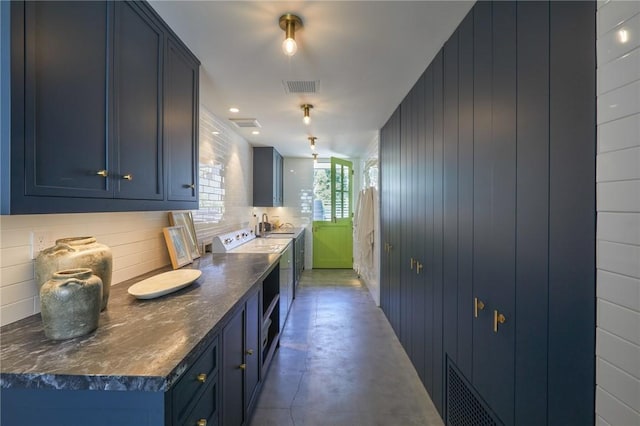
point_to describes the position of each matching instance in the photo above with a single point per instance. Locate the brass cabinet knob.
(127, 177)
(418, 267)
(202, 422)
(102, 173)
(201, 377)
(498, 318)
(478, 305)
(249, 351)
(190, 185)
(242, 366)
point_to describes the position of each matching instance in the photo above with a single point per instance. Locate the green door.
(333, 234)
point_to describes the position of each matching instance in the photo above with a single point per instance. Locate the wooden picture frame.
(185, 219)
(177, 246)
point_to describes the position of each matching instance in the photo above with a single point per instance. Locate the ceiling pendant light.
(312, 142)
(306, 118)
(315, 158)
(288, 23)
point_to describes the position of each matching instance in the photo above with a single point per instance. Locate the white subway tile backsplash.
(619, 352)
(619, 134)
(619, 384)
(618, 165)
(615, 13)
(619, 321)
(613, 411)
(619, 40)
(619, 103)
(619, 196)
(619, 72)
(620, 258)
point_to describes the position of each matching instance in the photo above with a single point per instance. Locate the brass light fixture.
(289, 22)
(306, 118)
(315, 158)
(312, 142)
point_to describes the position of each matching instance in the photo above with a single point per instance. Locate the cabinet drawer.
(206, 408)
(198, 377)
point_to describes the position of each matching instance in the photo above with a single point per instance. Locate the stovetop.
(245, 241)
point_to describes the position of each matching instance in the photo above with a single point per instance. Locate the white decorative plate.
(164, 283)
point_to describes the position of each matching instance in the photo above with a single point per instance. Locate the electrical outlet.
(40, 240)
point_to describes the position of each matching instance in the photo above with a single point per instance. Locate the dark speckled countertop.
(141, 345)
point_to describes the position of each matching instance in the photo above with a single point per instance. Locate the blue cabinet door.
(66, 95)
(137, 168)
(180, 123)
(494, 204)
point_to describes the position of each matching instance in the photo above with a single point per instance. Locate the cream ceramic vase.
(76, 252)
(70, 303)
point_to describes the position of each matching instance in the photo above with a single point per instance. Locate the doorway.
(332, 215)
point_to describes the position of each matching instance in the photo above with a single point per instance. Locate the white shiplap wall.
(135, 239)
(618, 194)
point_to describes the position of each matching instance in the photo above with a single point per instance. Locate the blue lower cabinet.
(37, 407)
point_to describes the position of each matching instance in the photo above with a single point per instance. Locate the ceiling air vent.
(301, 86)
(245, 123)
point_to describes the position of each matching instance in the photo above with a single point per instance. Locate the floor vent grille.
(464, 407)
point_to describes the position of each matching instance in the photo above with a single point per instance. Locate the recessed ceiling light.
(255, 132)
(234, 110)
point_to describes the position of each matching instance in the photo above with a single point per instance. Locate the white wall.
(618, 195)
(135, 237)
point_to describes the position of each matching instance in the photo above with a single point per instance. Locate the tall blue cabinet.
(491, 158)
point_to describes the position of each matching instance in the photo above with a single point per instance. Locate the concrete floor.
(340, 363)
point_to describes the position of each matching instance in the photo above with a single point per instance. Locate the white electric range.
(245, 241)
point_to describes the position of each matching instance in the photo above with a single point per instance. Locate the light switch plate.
(40, 240)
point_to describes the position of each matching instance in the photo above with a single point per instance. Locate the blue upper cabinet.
(94, 109)
(181, 124)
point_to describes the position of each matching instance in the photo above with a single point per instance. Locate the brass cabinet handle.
(242, 366)
(418, 267)
(102, 173)
(201, 377)
(412, 262)
(127, 177)
(498, 318)
(191, 186)
(202, 422)
(249, 351)
(478, 305)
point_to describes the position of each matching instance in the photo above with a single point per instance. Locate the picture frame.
(177, 246)
(185, 219)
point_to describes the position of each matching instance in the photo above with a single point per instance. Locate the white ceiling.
(366, 54)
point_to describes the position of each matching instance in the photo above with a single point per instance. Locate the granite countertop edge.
(182, 353)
